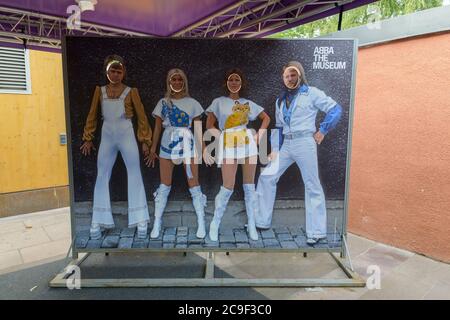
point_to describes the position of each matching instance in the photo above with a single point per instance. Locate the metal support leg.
(60, 279)
(209, 271)
(347, 254)
(209, 280)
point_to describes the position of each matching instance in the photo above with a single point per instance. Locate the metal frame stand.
(209, 280)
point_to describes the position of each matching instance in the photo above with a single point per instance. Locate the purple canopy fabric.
(160, 17)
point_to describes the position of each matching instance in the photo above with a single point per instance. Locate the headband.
(113, 62)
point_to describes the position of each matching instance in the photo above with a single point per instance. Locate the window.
(14, 71)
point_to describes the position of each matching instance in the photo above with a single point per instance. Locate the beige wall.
(400, 169)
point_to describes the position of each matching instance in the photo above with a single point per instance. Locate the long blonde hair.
(299, 66)
(185, 91)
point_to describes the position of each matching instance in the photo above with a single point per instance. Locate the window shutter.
(14, 71)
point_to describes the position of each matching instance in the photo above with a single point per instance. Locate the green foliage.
(379, 10)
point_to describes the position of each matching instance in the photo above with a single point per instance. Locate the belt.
(298, 134)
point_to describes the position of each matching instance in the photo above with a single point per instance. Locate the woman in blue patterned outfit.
(176, 113)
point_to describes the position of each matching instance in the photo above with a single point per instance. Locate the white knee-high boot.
(250, 207)
(161, 195)
(199, 202)
(220, 202)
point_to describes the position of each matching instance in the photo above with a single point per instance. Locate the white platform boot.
(250, 207)
(220, 203)
(199, 202)
(142, 230)
(161, 195)
(95, 231)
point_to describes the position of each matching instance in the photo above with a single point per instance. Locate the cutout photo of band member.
(295, 141)
(116, 104)
(237, 145)
(175, 114)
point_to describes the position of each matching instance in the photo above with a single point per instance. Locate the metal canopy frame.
(242, 19)
(251, 18)
(19, 26)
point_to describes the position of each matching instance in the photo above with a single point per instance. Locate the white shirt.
(177, 140)
(230, 114)
(175, 117)
(306, 106)
(233, 117)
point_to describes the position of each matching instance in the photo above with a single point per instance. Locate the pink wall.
(400, 169)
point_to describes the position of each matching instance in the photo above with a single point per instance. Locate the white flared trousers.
(118, 136)
(302, 151)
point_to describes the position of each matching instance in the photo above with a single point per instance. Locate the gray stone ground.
(179, 230)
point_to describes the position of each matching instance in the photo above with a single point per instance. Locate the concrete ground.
(33, 248)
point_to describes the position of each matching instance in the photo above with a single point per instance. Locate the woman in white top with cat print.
(237, 145)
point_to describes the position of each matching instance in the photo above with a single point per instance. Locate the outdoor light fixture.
(86, 5)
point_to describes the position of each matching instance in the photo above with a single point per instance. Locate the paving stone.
(226, 238)
(243, 245)
(140, 244)
(256, 244)
(196, 240)
(228, 245)
(155, 244)
(284, 237)
(192, 236)
(170, 231)
(226, 232)
(267, 234)
(125, 243)
(169, 238)
(94, 244)
(168, 245)
(181, 245)
(288, 245)
(114, 232)
(182, 231)
(281, 230)
(271, 243)
(110, 242)
(241, 236)
(83, 233)
(300, 241)
(81, 242)
(209, 243)
(334, 240)
(160, 237)
(128, 232)
(195, 246)
(295, 231)
(181, 240)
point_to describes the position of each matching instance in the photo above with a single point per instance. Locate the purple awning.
(166, 17)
